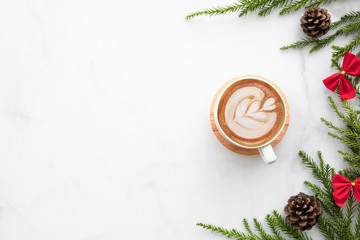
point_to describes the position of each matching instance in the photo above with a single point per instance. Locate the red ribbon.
(351, 66)
(342, 187)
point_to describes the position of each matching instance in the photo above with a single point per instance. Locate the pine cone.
(303, 211)
(315, 22)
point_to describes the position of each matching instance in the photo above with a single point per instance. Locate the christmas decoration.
(335, 223)
(351, 66)
(303, 211)
(342, 187)
(346, 26)
(315, 22)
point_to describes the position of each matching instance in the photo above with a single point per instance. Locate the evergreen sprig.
(347, 26)
(262, 7)
(274, 221)
(336, 223)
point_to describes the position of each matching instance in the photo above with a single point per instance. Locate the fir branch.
(323, 172)
(261, 231)
(351, 158)
(352, 16)
(348, 142)
(294, 6)
(351, 46)
(305, 42)
(248, 229)
(335, 63)
(287, 228)
(352, 162)
(251, 6)
(228, 233)
(262, 7)
(354, 157)
(318, 44)
(357, 226)
(349, 24)
(318, 3)
(340, 224)
(272, 225)
(337, 222)
(326, 228)
(266, 10)
(350, 210)
(216, 11)
(345, 131)
(275, 221)
(350, 173)
(339, 114)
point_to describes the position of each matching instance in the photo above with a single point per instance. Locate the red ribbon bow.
(351, 66)
(342, 187)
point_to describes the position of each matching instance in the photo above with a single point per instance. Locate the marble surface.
(104, 126)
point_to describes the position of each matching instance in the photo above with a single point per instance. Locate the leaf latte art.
(251, 112)
(248, 113)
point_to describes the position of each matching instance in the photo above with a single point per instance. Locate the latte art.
(251, 112)
(248, 115)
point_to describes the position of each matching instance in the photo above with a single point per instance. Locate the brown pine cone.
(315, 22)
(303, 211)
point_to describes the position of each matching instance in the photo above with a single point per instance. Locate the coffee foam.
(251, 112)
(245, 117)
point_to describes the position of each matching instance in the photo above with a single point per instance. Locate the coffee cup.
(250, 112)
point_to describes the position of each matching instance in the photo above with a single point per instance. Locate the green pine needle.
(336, 222)
(216, 11)
(262, 7)
(348, 25)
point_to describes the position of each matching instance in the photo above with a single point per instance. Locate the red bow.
(351, 66)
(342, 187)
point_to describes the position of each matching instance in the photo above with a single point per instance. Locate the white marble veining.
(104, 127)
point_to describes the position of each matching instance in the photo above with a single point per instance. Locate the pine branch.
(345, 131)
(305, 42)
(228, 233)
(348, 142)
(339, 114)
(266, 10)
(261, 230)
(350, 210)
(294, 6)
(276, 223)
(287, 228)
(216, 11)
(323, 172)
(337, 223)
(326, 228)
(248, 229)
(253, 5)
(354, 157)
(318, 44)
(350, 173)
(319, 2)
(357, 226)
(351, 46)
(262, 7)
(272, 225)
(352, 162)
(352, 16)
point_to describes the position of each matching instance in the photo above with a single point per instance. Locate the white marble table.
(104, 128)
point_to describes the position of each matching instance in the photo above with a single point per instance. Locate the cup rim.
(240, 78)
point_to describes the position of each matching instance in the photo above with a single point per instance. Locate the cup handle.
(267, 154)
